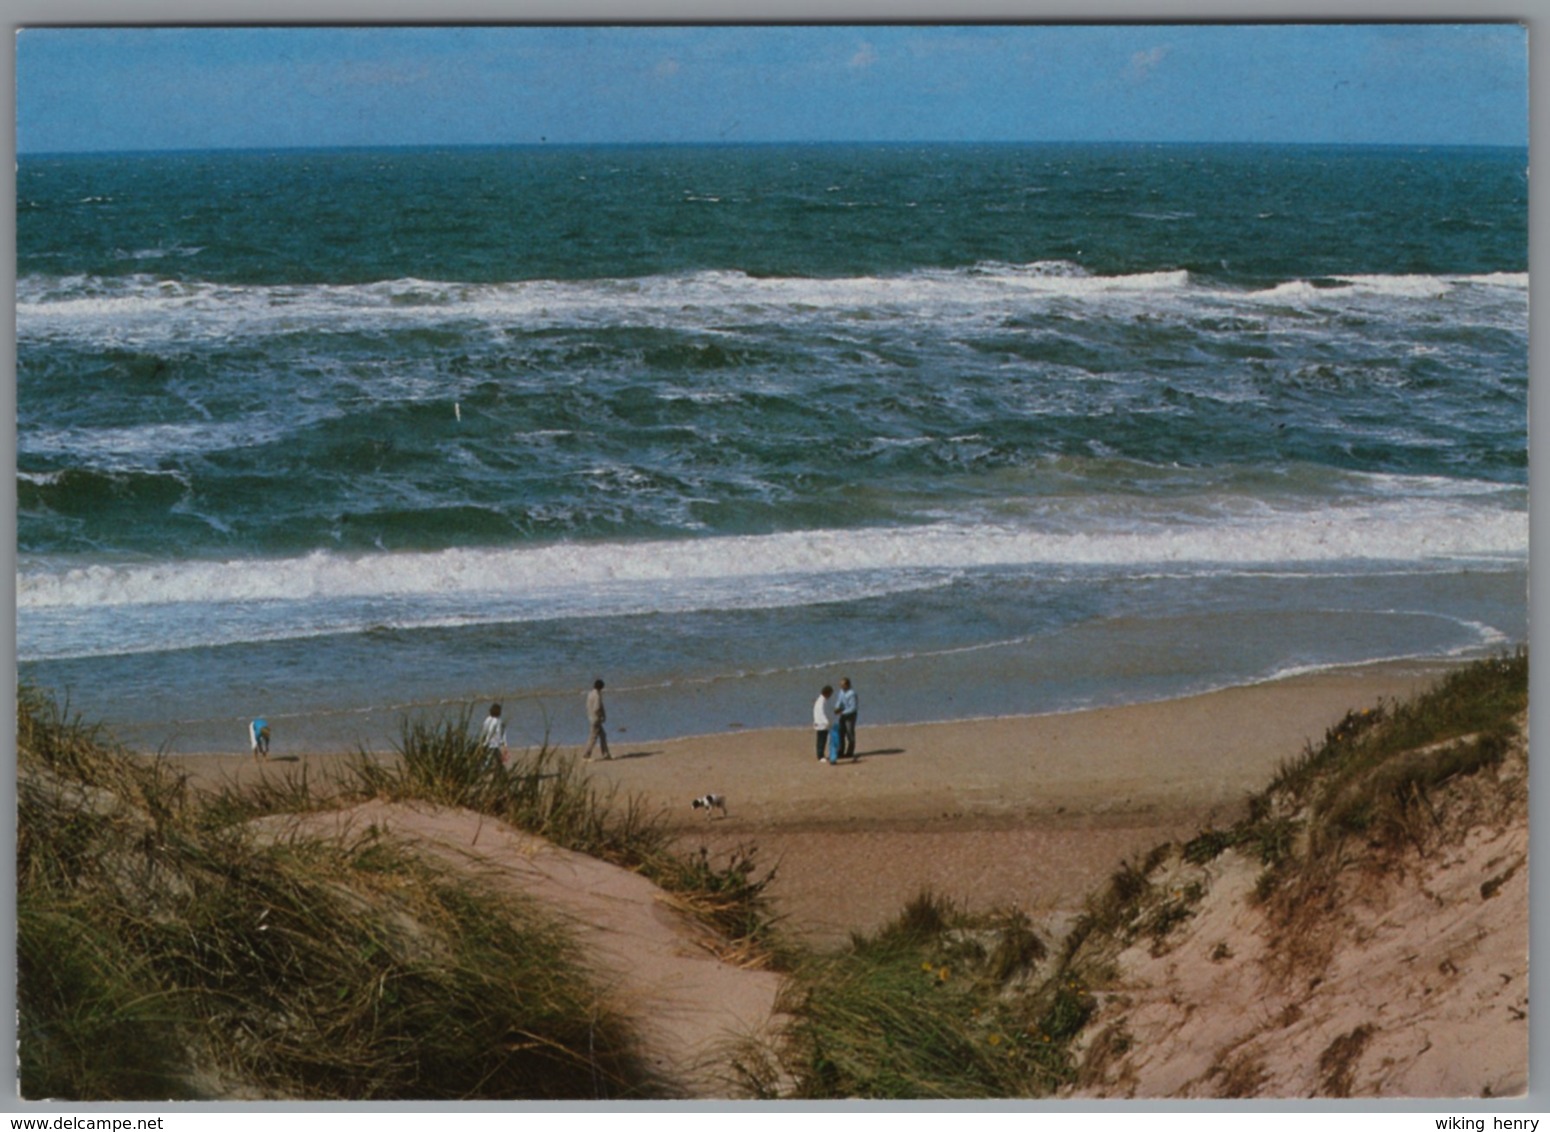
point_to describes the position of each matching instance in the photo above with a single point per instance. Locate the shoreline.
(1423, 667)
(1434, 666)
(1028, 810)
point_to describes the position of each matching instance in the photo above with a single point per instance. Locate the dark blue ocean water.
(335, 435)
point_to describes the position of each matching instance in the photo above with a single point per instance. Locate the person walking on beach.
(596, 716)
(845, 703)
(258, 738)
(492, 738)
(823, 721)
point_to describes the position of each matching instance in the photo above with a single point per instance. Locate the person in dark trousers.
(845, 704)
(258, 738)
(823, 721)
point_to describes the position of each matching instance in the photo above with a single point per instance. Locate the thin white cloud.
(864, 57)
(667, 68)
(1143, 63)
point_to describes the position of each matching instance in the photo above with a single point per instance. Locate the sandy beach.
(1032, 811)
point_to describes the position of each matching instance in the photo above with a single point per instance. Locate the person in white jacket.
(823, 721)
(597, 715)
(492, 738)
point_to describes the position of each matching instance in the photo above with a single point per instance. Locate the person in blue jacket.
(258, 737)
(845, 705)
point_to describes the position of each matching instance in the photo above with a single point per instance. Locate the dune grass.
(938, 1004)
(1477, 701)
(1367, 790)
(163, 955)
(550, 794)
(542, 791)
(1372, 779)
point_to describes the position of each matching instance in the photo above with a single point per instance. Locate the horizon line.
(719, 144)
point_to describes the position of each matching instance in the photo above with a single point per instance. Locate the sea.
(349, 438)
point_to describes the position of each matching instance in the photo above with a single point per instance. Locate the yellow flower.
(994, 1039)
(943, 974)
(927, 967)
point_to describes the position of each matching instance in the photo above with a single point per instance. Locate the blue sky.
(92, 89)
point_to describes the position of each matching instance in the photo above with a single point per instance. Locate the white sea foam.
(1299, 290)
(139, 446)
(1410, 531)
(143, 308)
(1405, 286)
(1515, 280)
(1419, 288)
(1479, 639)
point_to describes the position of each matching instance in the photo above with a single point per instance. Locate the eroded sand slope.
(1415, 984)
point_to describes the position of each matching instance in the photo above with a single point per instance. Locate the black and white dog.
(710, 803)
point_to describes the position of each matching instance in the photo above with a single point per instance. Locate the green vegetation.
(1372, 780)
(164, 953)
(1379, 786)
(1473, 708)
(549, 794)
(441, 761)
(546, 793)
(937, 1004)
(1387, 782)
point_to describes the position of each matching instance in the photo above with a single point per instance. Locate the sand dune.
(689, 1008)
(1034, 812)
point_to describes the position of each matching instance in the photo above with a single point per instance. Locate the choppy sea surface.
(337, 436)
